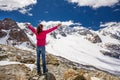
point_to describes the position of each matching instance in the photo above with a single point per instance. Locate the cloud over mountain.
(94, 3)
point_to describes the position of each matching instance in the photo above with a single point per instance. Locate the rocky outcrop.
(2, 33)
(72, 74)
(113, 47)
(52, 60)
(20, 36)
(113, 30)
(83, 32)
(15, 54)
(8, 24)
(116, 36)
(82, 74)
(14, 72)
(114, 50)
(89, 35)
(94, 38)
(111, 54)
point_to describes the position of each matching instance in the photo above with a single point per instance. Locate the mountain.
(91, 49)
(11, 34)
(88, 47)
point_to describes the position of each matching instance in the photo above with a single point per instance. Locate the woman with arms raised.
(41, 42)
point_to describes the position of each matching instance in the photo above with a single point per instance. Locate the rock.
(115, 36)
(70, 74)
(84, 32)
(100, 75)
(111, 54)
(114, 50)
(28, 60)
(2, 34)
(3, 54)
(14, 72)
(52, 60)
(63, 34)
(79, 77)
(113, 47)
(50, 76)
(18, 35)
(94, 38)
(7, 24)
(53, 34)
(15, 54)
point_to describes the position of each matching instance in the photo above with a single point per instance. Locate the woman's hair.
(39, 28)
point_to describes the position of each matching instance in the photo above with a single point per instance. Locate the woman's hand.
(59, 24)
(27, 24)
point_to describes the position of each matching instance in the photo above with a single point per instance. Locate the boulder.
(50, 59)
(50, 76)
(70, 74)
(14, 72)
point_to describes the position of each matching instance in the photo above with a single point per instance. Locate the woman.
(41, 42)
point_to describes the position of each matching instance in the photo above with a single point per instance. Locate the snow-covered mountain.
(99, 49)
(11, 34)
(88, 47)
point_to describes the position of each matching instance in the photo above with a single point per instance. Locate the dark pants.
(41, 51)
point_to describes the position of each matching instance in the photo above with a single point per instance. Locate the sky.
(89, 13)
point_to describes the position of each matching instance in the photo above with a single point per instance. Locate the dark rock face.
(115, 36)
(16, 35)
(111, 54)
(84, 32)
(94, 38)
(20, 36)
(113, 31)
(113, 47)
(7, 24)
(2, 33)
(89, 35)
(114, 50)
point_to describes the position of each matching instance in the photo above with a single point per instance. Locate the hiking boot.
(45, 72)
(39, 73)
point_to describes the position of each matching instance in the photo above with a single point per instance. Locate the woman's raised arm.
(30, 27)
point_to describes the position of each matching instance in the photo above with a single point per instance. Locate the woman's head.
(39, 28)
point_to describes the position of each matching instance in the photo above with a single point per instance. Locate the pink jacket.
(41, 38)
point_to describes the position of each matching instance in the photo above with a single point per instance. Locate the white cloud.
(94, 3)
(20, 5)
(67, 23)
(110, 24)
(24, 11)
(116, 10)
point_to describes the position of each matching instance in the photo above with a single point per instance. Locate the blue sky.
(86, 12)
